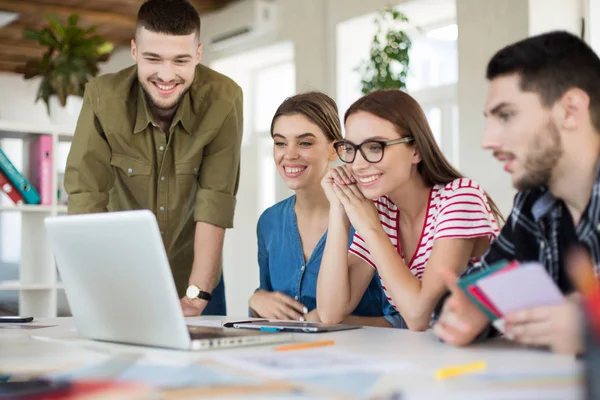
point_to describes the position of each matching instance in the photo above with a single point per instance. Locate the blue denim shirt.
(282, 266)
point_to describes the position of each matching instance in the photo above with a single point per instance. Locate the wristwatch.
(194, 292)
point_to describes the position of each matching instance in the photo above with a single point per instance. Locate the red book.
(7, 187)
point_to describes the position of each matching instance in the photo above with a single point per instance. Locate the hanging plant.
(387, 66)
(71, 58)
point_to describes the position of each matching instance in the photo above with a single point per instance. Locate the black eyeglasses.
(371, 150)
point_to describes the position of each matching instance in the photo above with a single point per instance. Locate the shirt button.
(129, 171)
(195, 169)
(598, 228)
(161, 148)
(295, 297)
(302, 268)
(162, 233)
(162, 178)
(162, 209)
(542, 245)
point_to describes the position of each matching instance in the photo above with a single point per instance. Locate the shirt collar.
(547, 201)
(144, 116)
(184, 114)
(543, 205)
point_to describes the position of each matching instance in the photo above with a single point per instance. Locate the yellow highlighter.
(458, 370)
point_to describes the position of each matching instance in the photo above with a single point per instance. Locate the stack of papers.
(509, 286)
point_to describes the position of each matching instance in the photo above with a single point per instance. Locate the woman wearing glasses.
(413, 213)
(292, 233)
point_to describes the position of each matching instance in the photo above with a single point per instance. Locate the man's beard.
(541, 160)
(162, 107)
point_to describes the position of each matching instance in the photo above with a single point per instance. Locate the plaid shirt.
(540, 228)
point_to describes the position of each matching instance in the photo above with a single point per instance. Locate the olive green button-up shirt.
(120, 159)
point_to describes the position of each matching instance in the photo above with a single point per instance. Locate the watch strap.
(204, 295)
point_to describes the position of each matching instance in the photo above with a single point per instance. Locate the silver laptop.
(120, 287)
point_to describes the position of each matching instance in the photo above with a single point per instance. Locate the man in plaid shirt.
(543, 123)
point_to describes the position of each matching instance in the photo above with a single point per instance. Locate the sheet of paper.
(24, 326)
(210, 323)
(310, 362)
(357, 384)
(127, 369)
(527, 286)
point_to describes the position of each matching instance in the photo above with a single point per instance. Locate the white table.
(60, 348)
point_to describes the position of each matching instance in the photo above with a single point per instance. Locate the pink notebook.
(40, 167)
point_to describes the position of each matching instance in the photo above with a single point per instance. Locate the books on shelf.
(40, 167)
(38, 190)
(23, 186)
(7, 187)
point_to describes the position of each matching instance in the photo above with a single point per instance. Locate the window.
(433, 68)
(267, 76)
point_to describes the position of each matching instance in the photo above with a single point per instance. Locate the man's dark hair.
(172, 17)
(550, 64)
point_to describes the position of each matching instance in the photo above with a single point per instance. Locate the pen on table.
(307, 345)
(457, 370)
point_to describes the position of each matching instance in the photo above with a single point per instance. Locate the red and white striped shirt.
(459, 209)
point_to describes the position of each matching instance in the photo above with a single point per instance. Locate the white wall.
(592, 8)
(484, 27)
(18, 100)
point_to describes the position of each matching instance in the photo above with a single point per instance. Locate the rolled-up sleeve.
(88, 173)
(220, 170)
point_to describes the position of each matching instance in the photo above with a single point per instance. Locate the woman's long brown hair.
(408, 117)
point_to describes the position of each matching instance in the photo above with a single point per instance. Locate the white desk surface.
(59, 348)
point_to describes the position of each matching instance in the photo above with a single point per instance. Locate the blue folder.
(23, 186)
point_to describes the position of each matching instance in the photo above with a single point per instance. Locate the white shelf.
(37, 287)
(16, 285)
(26, 208)
(34, 129)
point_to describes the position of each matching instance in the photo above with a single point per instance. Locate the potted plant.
(71, 59)
(387, 66)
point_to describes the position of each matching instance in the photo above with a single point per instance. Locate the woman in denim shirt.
(292, 233)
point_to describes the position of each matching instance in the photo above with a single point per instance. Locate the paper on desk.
(358, 384)
(209, 323)
(158, 375)
(309, 362)
(24, 326)
(527, 286)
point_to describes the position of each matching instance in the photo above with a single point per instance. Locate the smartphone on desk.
(14, 319)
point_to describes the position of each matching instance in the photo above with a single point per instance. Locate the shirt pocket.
(187, 179)
(134, 175)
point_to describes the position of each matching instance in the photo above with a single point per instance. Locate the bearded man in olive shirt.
(165, 135)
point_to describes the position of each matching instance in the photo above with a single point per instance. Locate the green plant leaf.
(58, 29)
(72, 20)
(388, 62)
(71, 58)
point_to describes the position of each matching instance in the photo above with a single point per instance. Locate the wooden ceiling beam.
(97, 17)
(14, 31)
(20, 47)
(10, 66)
(14, 57)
